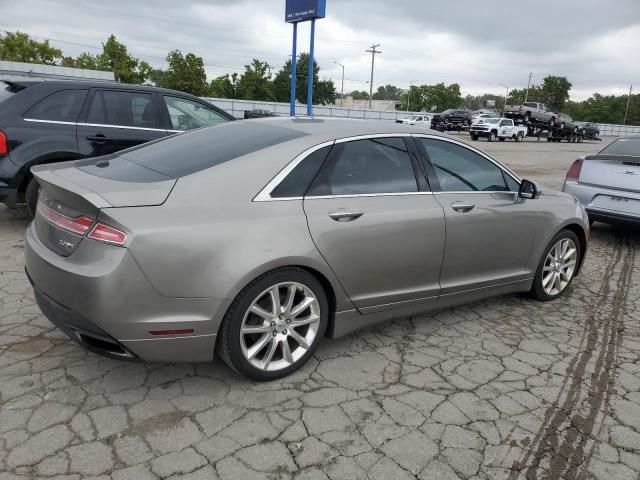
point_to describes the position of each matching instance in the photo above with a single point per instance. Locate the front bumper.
(590, 197)
(105, 303)
(479, 133)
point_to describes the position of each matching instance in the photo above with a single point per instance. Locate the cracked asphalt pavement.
(505, 388)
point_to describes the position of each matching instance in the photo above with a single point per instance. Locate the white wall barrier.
(238, 107)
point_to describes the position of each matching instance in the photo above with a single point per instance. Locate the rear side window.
(372, 166)
(297, 182)
(124, 109)
(197, 150)
(624, 147)
(62, 106)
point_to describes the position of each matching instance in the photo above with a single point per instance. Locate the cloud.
(594, 44)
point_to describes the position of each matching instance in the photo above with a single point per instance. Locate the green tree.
(359, 95)
(431, 98)
(185, 73)
(255, 83)
(20, 47)
(556, 92)
(388, 92)
(115, 58)
(324, 92)
(225, 86)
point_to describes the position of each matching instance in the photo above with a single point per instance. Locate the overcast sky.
(479, 44)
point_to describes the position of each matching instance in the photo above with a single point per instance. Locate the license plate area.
(617, 203)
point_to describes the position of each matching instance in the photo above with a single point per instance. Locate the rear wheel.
(519, 137)
(557, 267)
(31, 196)
(474, 137)
(274, 325)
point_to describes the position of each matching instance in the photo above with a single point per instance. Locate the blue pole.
(310, 81)
(294, 55)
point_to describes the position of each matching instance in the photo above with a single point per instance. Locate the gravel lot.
(506, 388)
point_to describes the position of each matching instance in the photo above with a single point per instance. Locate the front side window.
(187, 115)
(123, 109)
(62, 106)
(459, 169)
(372, 166)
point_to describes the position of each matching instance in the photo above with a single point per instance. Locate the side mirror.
(527, 190)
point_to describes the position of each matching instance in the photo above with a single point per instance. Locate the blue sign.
(303, 10)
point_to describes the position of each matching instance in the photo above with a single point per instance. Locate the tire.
(491, 137)
(474, 137)
(527, 119)
(501, 139)
(31, 196)
(549, 282)
(274, 331)
(519, 137)
(549, 139)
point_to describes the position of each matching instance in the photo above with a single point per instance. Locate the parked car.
(45, 122)
(530, 112)
(608, 183)
(421, 119)
(589, 129)
(258, 113)
(452, 115)
(475, 117)
(566, 123)
(258, 239)
(500, 128)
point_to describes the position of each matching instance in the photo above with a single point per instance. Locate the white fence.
(238, 107)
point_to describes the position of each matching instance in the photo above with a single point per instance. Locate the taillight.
(574, 171)
(105, 233)
(4, 144)
(79, 225)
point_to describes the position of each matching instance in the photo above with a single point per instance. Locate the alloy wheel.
(559, 266)
(280, 326)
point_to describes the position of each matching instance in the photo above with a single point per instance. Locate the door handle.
(99, 138)
(345, 215)
(463, 207)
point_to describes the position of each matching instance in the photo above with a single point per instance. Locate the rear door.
(113, 120)
(376, 223)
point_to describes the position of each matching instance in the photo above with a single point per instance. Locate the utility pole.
(373, 52)
(526, 95)
(624, 122)
(409, 97)
(342, 87)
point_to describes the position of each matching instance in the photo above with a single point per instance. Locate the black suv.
(453, 115)
(45, 122)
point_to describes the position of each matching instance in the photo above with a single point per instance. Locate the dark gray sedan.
(258, 239)
(608, 183)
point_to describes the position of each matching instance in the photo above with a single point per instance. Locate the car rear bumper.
(108, 305)
(606, 205)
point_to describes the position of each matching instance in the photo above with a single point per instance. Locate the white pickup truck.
(500, 128)
(421, 120)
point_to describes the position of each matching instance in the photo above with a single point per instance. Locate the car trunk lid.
(73, 193)
(611, 171)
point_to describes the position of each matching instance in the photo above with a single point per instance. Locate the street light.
(505, 97)
(342, 88)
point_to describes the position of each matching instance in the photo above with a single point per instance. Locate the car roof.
(325, 129)
(103, 84)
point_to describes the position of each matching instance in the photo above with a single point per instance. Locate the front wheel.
(274, 325)
(492, 137)
(557, 267)
(31, 196)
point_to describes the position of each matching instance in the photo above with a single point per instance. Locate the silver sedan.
(257, 239)
(608, 183)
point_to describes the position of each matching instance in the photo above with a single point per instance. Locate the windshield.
(623, 147)
(490, 120)
(450, 110)
(416, 117)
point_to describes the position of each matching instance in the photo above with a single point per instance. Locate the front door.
(380, 232)
(118, 119)
(490, 230)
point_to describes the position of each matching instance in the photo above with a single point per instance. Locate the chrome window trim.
(265, 194)
(80, 124)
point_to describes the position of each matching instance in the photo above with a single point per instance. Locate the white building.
(12, 71)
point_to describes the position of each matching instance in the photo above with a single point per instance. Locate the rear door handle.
(463, 207)
(345, 215)
(99, 138)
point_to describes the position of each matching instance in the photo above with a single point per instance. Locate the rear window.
(61, 106)
(623, 147)
(198, 150)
